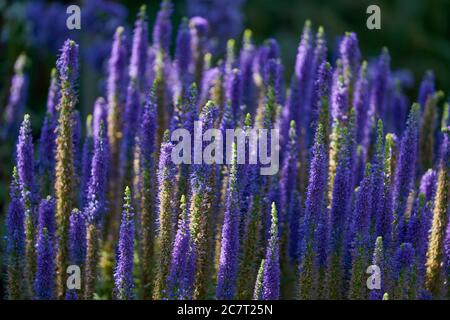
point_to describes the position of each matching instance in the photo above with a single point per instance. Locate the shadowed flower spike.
(403, 272)
(139, 48)
(350, 57)
(116, 85)
(17, 98)
(182, 267)
(77, 246)
(115, 94)
(300, 80)
(427, 88)
(86, 161)
(360, 237)
(378, 95)
(228, 265)
(77, 237)
(361, 103)
(322, 88)
(406, 164)
(67, 66)
(123, 273)
(44, 285)
(317, 179)
(377, 176)
(15, 248)
(271, 275)
(183, 54)
(162, 30)
(147, 218)
(289, 176)
(225, 19)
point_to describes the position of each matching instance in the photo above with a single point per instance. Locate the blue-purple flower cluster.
(363, 190)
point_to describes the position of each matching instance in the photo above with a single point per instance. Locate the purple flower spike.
(123, 273)
(44, 284)
(228, 264)
(405, 170)
(162, 30)
(15, 248)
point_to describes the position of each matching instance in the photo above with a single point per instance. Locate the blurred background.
(416, 32)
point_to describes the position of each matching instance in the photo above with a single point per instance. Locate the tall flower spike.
(17, 98)
(77, 244)
(338, 217)
(405, 170)
(271, 275)
(203, 197)
(44, 284)
(115, 93)
(162, 30)
(245, 65)
(313, 212)
(228, 265)
(297, 101)
(77, 237)
(360, 239)
(428, 131)
(377, 176)
(288, 183)
(350, 57)
(183, 55)
(199, 31)
(25, 166)
(166, 182)
(139, 48)
(179, 283)
(361, 103)
(15, 248)
(147, 218)
(123, 273)
(403, 272)
(86, 161)
(67, 66)
(435, 276)
(322, 88)
(378, 95)
(96, 192)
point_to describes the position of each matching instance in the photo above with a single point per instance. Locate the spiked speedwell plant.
(364, 179)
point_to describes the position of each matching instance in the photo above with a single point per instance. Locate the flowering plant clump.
(357, 209)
